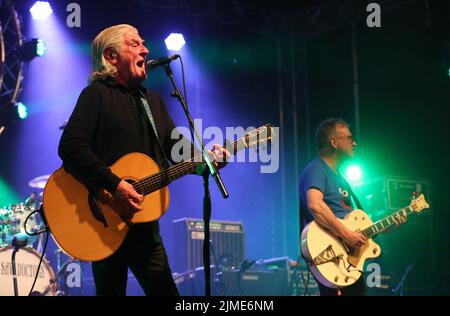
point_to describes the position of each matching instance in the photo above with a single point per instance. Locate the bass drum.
(27, 261)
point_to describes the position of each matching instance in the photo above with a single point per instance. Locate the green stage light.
(32, 48)
(41, 48)
(22, 110)
(353, 173)
(7, 194)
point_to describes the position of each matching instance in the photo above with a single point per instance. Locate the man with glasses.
(325, 195)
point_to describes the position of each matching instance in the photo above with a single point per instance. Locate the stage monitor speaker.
(227, 244)
(264, 278)
(391, 193)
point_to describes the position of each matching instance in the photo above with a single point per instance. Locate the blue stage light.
(175, 41)
(41, 10)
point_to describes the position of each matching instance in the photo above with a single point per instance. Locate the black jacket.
(108, 122)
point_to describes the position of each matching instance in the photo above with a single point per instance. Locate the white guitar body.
(331, 261)
(318, 245)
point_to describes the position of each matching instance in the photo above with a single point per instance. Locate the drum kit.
(21, 248)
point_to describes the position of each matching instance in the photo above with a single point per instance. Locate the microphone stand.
(211, 170)
(402, 281)
(17, 244)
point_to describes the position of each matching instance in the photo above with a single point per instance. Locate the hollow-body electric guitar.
(335, 264)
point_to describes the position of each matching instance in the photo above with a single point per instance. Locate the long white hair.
(109, 38)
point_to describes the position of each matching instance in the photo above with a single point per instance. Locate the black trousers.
(146, 258)
(356, 289)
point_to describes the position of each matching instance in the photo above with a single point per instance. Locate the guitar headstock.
(260, 136)
(419, 204)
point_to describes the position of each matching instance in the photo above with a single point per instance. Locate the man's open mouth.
(140, 64)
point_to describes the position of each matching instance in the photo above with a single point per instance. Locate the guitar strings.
(173, 171)
(149, 181)
(184, 166)
(168, 173)
(371, 231)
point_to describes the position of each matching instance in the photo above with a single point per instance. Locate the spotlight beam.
(41, 10)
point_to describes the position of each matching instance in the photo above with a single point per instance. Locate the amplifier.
(269, 277)
(227, 243)
(303, 283)
(255, 282)
(263, 278)
(391, 193)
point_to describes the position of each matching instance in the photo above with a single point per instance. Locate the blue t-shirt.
(336, 192)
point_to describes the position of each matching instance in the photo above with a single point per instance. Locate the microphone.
(153, 63)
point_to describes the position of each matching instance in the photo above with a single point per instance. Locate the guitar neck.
(383, 224)
(161, 179)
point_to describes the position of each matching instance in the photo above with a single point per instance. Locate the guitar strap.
(144, 102)
(149, 114)
(355, 199)
(352, 194)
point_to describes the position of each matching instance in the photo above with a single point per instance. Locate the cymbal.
(39, 182)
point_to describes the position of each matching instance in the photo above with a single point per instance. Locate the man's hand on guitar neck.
(220, 155)
(129, 198)
(399, 219)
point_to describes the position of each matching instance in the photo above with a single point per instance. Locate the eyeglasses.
(350, 138)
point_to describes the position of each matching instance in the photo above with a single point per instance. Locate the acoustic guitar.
(90, 226)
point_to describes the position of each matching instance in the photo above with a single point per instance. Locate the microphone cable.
(45, 230)
(185, 96)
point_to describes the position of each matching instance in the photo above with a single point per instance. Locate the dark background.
(232, 80)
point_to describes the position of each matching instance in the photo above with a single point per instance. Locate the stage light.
(22, 110)
(12, 113)
(353, 173)
(175, 41)
(32, 48)
(41, 48)
(41, 10)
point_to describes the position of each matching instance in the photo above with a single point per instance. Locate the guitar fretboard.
(161, 179)
(385, 223)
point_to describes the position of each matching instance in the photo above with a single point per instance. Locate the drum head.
(27, 261)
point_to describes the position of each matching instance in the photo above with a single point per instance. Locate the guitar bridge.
(328, 255)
